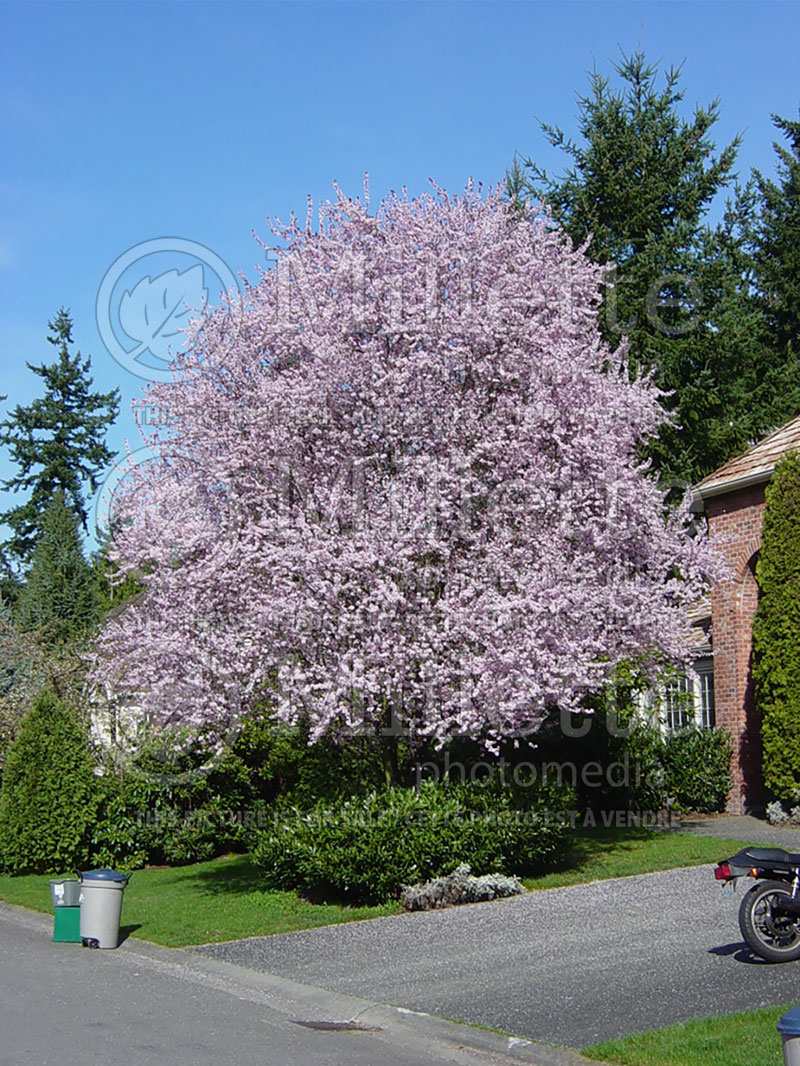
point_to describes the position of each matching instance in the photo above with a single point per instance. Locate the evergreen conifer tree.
(57, 441)
(639, 189)
(111, 591)
(9, 582)
(777, 252)
(59, 599)
(776, 649)
(48, 797)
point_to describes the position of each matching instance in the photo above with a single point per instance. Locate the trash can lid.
(103, 875)
(789, 1025)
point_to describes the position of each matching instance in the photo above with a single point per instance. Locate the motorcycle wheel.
(773, 937)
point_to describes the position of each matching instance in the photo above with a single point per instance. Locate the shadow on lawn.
(232, 877)
(241, 875)
(590, 845)
(128, 930)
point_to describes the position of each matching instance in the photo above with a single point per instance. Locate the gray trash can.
(789, 1028)
(101, 906)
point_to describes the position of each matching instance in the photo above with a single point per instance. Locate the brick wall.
(736, 518)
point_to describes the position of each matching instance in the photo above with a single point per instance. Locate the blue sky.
(122, 124)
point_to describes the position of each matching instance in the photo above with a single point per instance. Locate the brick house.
(733, 501)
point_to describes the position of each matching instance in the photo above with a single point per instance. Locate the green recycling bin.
(65, 896)
(101, 907)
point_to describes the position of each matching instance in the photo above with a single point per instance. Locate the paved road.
(62, 1004)
(566, 966)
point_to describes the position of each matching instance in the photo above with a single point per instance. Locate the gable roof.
(754, 466)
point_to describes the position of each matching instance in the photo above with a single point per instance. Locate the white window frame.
(683, 700)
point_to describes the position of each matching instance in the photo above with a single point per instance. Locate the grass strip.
(746, 1039)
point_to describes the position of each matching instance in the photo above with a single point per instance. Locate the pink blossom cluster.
(398, 479)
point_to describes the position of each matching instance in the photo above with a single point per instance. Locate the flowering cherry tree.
(396, 481)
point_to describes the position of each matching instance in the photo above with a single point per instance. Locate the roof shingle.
(755, 465)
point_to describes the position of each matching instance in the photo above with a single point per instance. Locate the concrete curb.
(300, 1002)
(463, 1044)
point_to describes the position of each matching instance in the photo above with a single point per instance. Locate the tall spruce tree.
(776, 651)
(639, 188)
(57, 441)
(58, 600)
(777, 243)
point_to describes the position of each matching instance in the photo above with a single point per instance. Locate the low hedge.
(365, 849)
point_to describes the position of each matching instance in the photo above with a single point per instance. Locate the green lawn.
(747, 1039)
(224, 899)
(602, 853)
(208, 902)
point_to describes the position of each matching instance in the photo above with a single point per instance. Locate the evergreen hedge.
(365, 849)
(697, 768)
(49, 794)
(776, 632)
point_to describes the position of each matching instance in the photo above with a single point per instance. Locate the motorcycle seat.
(761, 856)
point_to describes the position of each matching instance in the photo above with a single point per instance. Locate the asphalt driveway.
(567, 966)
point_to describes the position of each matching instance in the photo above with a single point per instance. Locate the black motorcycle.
(769, 915)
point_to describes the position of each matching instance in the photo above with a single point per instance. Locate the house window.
(677, 703)
(704, 694)
(688, 702)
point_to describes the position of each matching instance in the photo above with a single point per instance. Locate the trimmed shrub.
(776, 649)
(49, 794)
(366, 848)
(697, 768)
